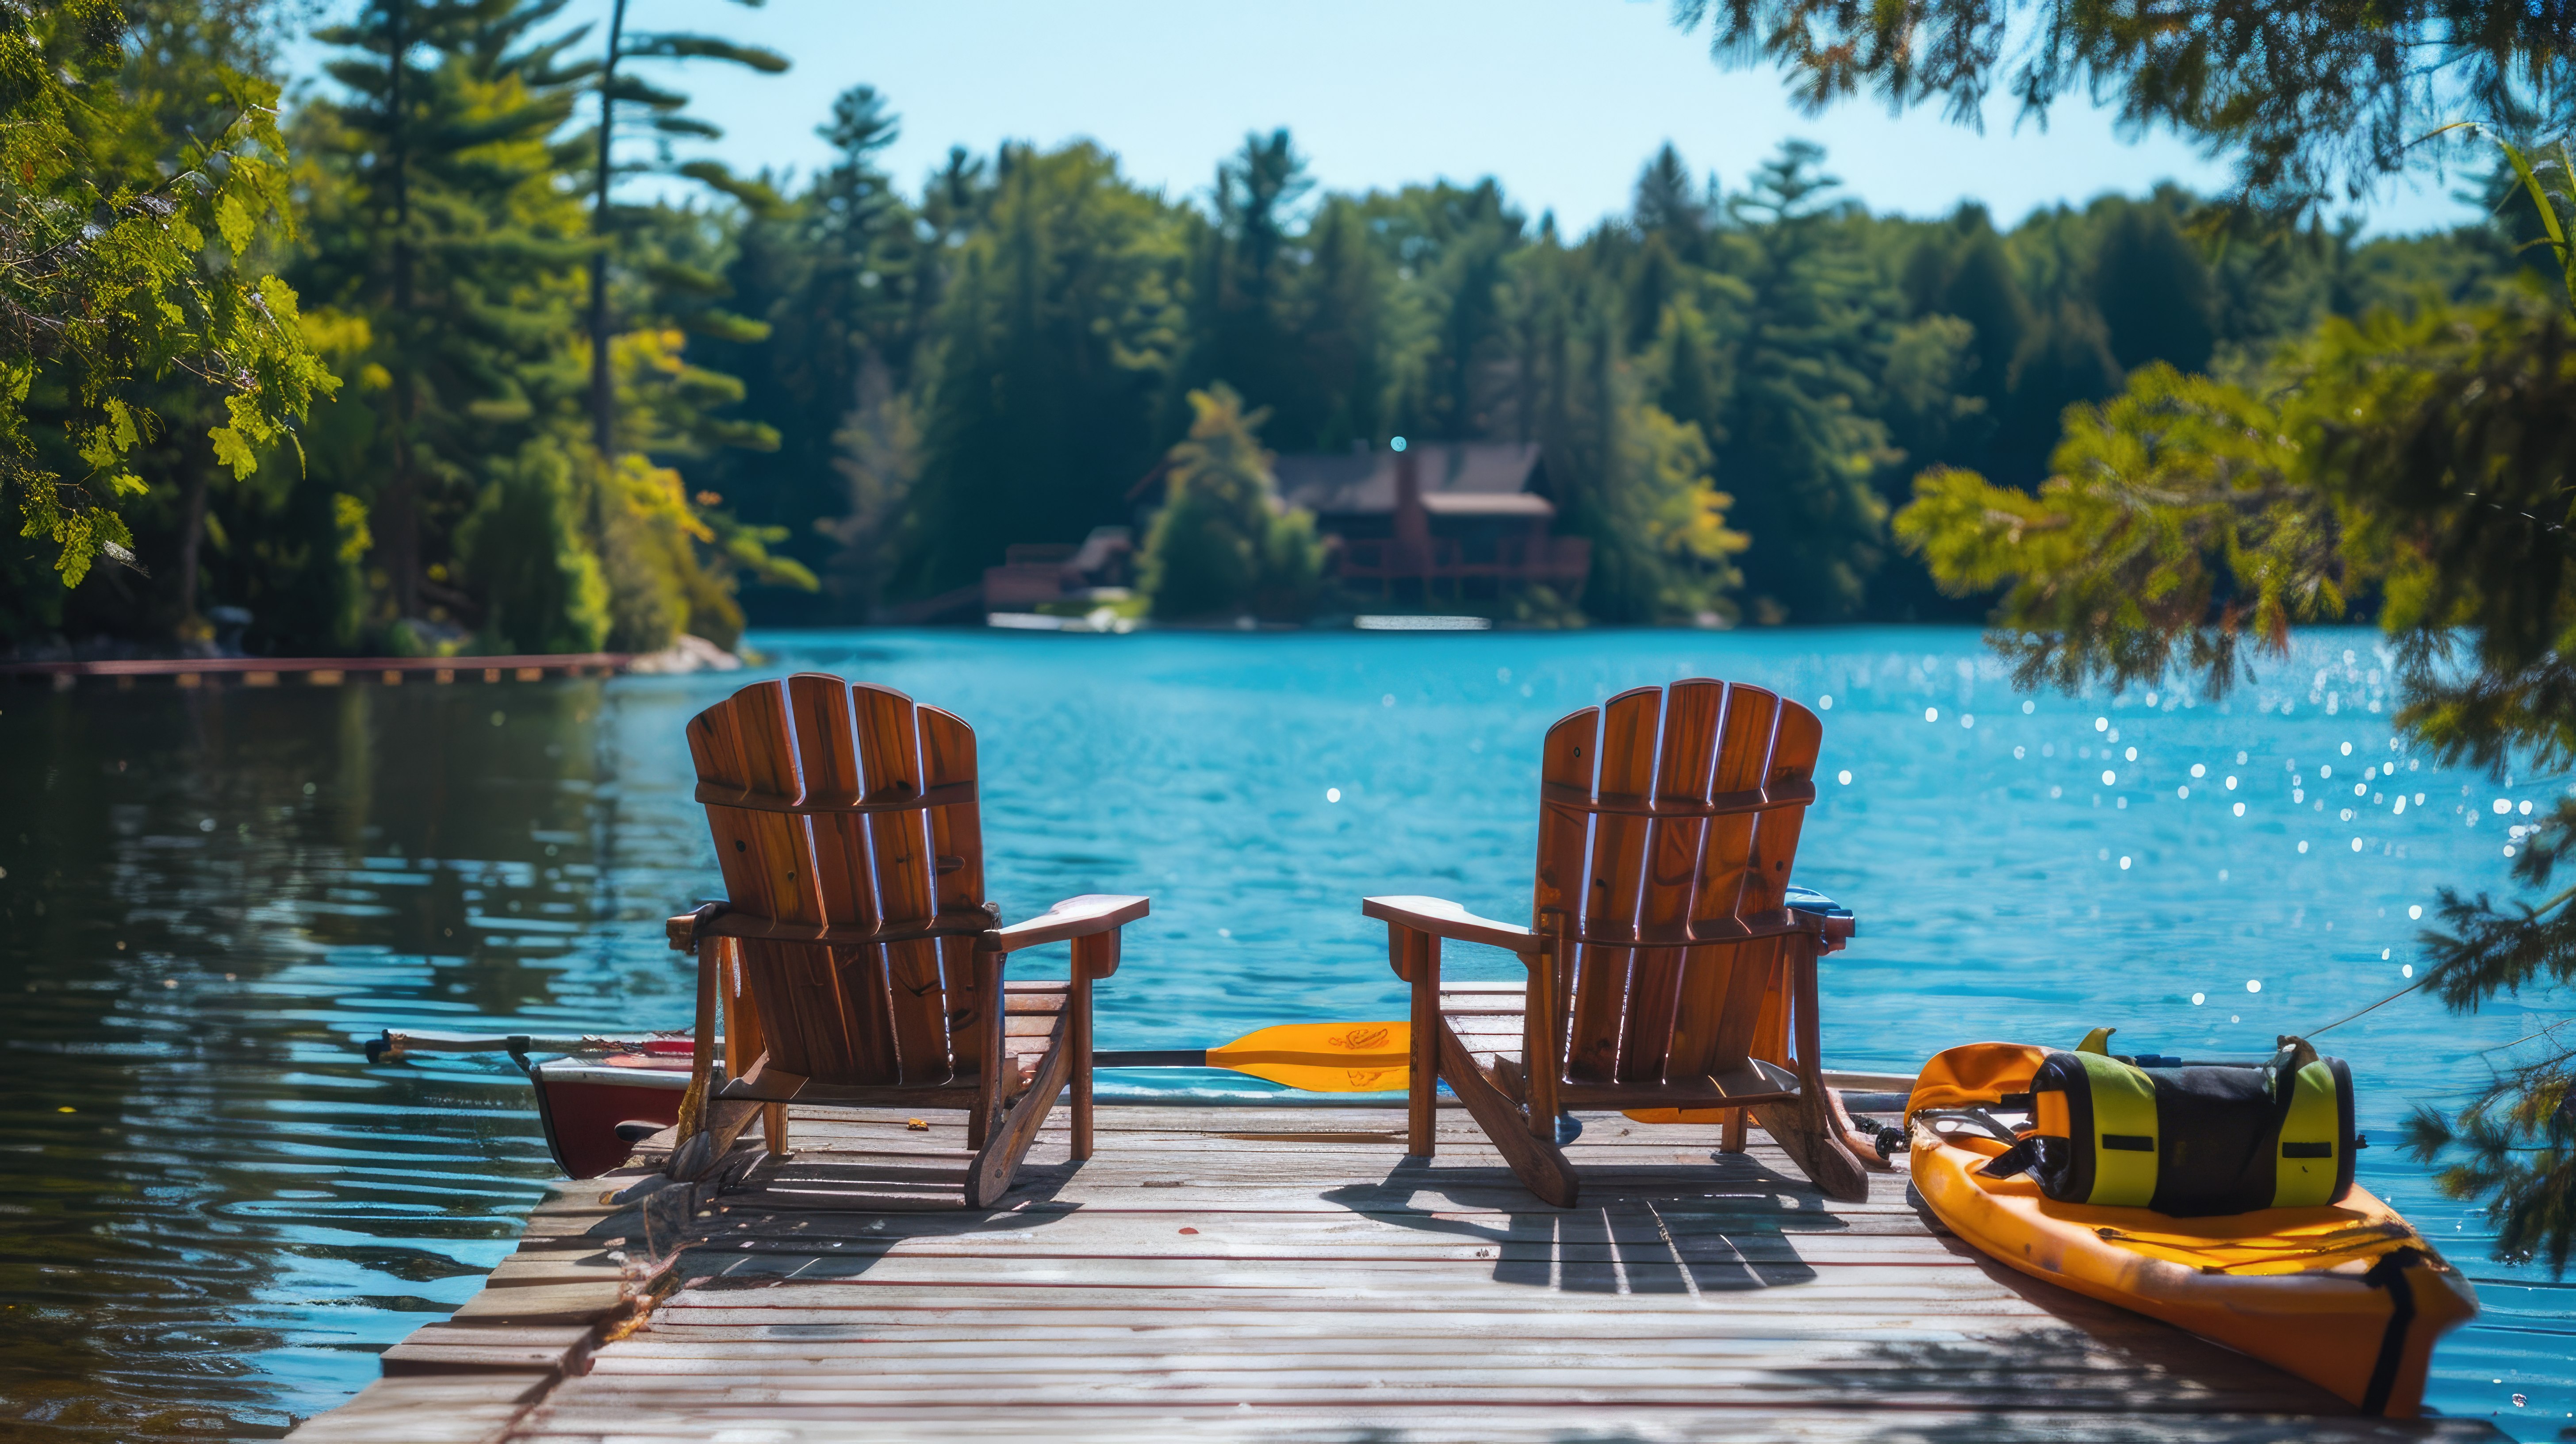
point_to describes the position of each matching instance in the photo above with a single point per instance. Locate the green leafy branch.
(106, 284)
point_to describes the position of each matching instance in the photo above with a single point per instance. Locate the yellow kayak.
(2347, 1295)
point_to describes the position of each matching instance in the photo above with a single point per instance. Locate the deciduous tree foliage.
(1224, 546)
(129, 257)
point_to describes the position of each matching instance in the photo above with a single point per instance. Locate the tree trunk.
(192, 535)
(603, 386)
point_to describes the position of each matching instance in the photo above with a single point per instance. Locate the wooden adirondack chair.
(856, 958)
(1670, 962)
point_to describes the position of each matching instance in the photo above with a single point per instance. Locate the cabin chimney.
(1412, 523)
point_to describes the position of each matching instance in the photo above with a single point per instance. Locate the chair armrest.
(1075, 917)
(1836, 920)
(683, 930)
(1444, 919)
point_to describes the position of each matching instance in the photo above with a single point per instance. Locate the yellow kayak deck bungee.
(2347, 1295)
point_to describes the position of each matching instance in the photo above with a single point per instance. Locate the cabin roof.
(1459, 478)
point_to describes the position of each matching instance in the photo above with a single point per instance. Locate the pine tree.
(664, 116)
(1242, 295)
(439, 225)
(1053, 341)
(2065, 360)
(832, 275)
(1799, 450)
(2153, 291)
(1980, 289)
(1667, 205)
(1626, 475)
(1347, 307)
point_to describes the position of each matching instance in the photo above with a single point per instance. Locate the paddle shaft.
(397, 1042)
(1151, 1058)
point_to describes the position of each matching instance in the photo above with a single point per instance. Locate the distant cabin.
(1438, 521)
(1034, 574)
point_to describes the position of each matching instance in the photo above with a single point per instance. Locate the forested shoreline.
(830, 393)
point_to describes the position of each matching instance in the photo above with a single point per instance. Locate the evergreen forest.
(505, 376)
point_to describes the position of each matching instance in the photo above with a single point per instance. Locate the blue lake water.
(219, 1214)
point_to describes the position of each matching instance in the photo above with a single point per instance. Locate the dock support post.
(1095, 956)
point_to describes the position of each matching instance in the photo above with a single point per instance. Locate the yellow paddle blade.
(1324, 1057)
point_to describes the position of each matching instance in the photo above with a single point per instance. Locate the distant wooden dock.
(1286, 1273)
(314, 671)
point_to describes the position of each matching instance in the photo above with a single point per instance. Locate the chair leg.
(1417, 958)
(1733, 1139)
(1538, 1163)
(1093, 957)
(1078, 1065)
(1803, 1132)
(773, 1127)
(689, 1152)
(998, 1160)
(699, 1153)
(1805, 1129)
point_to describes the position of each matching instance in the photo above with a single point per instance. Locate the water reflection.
(217, 1217)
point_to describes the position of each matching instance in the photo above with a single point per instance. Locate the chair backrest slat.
(717, 754)
(1682, 765)
(1722, 985)
(957, 861)
(851, 987)
(840, 1014)
(1626, 774)
(1775, 833)
(1639, 1014)
(890, 762)
(1565, 762)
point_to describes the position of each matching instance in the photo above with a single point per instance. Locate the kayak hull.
(2349, 1296)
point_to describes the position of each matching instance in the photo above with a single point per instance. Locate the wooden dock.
(1287, 1273)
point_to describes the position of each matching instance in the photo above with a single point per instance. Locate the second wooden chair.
(1670, 963)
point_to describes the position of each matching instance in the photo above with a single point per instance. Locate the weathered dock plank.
(1289, 1274)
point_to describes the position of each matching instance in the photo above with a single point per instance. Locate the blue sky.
(1562, 100)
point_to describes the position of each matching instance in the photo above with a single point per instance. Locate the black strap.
(2022, 1157)
(1979, 1121)
(2390, 1274)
